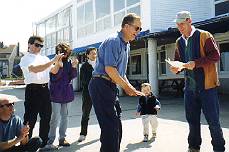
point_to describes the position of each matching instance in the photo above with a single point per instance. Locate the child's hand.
(137, 113)
(157, 107)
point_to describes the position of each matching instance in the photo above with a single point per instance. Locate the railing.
(176, 84)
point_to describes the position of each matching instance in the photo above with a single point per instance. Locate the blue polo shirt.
(114, 52)
(10, 129)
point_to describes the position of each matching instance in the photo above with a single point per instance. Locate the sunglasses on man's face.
(136, 27)
(7, 105)
(38, 45)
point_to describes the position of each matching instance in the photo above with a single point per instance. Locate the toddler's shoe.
(145, 139)
(154, 135)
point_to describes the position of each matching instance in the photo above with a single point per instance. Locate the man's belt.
(34, 85)
(102, 76)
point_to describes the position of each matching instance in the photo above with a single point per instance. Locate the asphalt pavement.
(171, 134)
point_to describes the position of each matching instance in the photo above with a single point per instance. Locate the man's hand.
(131, 91)
(24, 138)
(24, 132)
(174, 70)
(60, 63)
(57, 58)
(190, 65)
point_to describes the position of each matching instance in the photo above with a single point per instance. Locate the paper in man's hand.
(177, 64)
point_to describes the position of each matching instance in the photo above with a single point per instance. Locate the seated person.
(13, 134)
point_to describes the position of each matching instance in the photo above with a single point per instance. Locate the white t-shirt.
(31, 77)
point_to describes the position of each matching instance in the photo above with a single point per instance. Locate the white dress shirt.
(92, 63)
(31, 77)
(192, 32)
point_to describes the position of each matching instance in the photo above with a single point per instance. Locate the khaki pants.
(149, 119)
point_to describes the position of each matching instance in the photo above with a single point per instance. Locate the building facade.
(84, 23)
(8, 55)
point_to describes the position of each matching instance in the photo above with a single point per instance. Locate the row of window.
(63, 35)
(221, 7)
(94, 16)
(98, 15)
(57, 22)
(136, 61)
(56, 29)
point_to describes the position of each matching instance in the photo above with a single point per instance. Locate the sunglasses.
(7, 105)
(136, 27)
(38, 45)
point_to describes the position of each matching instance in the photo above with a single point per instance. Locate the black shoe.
(64, 142)
(193, 150)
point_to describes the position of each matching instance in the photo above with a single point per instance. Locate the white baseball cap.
(182, 16)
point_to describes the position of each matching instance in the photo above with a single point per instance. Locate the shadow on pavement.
(134, 146)
(75, 146)
(172, 108)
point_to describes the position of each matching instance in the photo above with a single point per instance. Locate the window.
(119, 5)
(53, 39)
(89, 29)
(135, 62)
(41, 29)
(221, 7)
(80, 16)
(135, 10)
(50, 40)
(121, 8)
(63, 18)
(51, 25)
(102, 8)
(79, 1)
(60, 36)
(162, 63)
(89, 12)
(131, 2)
(99, 25)
(103, 23)
(66, 35)
(107, 22)
(85, 14)
(118, 18)
(103, 17)
(224, 50)
(85, 19)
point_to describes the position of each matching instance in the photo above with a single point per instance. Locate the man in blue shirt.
(110, 71)
(11, 126)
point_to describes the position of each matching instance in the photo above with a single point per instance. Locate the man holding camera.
(36, 68)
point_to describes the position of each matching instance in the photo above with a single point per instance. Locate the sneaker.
(193, 150)
(145, 139)
(64, 142)
(81, 138)
(48, 147)
(154, 135)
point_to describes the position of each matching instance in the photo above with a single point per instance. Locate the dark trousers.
(86, 109)
(37, 101)
(103, 94)
(32, 146)
(207, 100)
